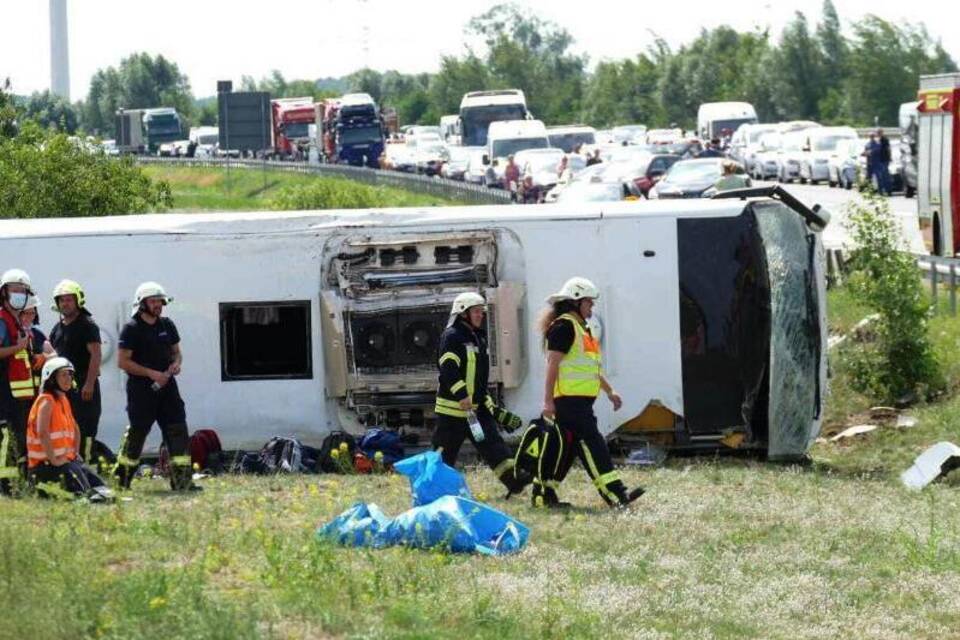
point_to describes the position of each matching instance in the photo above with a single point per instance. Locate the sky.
(212, 40)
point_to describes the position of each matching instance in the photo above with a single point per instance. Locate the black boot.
(515, 480)
(124, 474)
(626, 498)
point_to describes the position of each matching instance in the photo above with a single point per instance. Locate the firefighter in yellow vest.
(573, 382)
(16, 376)
(53, 440)
(464, 407)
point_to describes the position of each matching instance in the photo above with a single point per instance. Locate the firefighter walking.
(149, 352)
(574, 380)
(463, 397)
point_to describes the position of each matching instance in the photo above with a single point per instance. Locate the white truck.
(715, 118)
(510, 137)
(711, 312)
(938, 167)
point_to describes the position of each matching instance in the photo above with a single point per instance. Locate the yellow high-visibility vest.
(579, 373)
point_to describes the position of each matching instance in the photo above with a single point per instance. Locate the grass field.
(245, 189)
(718, 548)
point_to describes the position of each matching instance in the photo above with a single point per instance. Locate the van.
(508, 137)
(715, 118)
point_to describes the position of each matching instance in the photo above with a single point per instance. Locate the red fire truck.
(292, 118)
(938, 176)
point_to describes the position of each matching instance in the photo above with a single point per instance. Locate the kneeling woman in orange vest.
(53, 439)
(574, 380)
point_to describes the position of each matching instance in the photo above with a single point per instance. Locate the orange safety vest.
(19, 365)
(62, 431)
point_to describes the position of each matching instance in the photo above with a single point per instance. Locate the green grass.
(247, 189)
(715, 549)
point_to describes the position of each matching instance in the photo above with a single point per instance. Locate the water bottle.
(475, 427)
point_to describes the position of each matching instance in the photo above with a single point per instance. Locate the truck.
(711, 314)
(352, 130)
(142, 131)
(717, 119)
(938, 166)
(479, 108)
(291, 119)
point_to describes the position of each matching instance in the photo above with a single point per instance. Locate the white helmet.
(15, 276)
(149, 290)
(576, 288)
(51, 366)
(465, 301)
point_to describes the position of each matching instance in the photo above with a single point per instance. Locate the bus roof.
(488, 98)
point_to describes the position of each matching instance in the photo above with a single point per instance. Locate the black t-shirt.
(560, 336)
(151, 344)
(71, 340)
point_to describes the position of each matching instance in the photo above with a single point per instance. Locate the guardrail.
(436, 186)
(890, 132)
(943, 272)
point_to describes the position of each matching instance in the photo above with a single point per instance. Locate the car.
(690, 178)
(792, 154)
(569, 138)
(401, 157)
(909, 133)
(628, 133)
(684, 148)
(583, 175)
(664, 136)
(475, 170)
(843, 165)
(541, 164)
(822, 145)
(640, 172)
(594, 190)
(745, 143)
(109, 147)
(455, 167)
(766, 162)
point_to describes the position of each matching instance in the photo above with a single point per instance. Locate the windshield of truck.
(509, 146)
(718, 126)
(828, 143)
(211, 138)
(569, 141)
(163, 124)
(476, 121)
(294, 130)
(360, 135)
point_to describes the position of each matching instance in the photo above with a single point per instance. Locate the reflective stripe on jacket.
(464, 367)
(62, 431)
(580, 368)
(19, 374)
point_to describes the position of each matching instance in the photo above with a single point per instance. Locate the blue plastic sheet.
(451, 523)
(431, 478)
(443, 516)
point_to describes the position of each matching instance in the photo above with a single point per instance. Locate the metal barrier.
(436, 186)
(941, 271)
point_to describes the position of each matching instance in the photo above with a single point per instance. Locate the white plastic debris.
(931, 464)
(858, 430)
(906, 422)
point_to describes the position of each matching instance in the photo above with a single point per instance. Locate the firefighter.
(77, 337)
(462, 395)
(16, 377)
(53, 439)
(149, 352)
(573, 382)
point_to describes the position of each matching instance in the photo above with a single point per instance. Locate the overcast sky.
(224, 39)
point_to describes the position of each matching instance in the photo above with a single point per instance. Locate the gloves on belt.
(509, 421)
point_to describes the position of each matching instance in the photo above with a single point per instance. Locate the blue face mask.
(18, 300)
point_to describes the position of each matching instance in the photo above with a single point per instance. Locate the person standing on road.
(511, 175)
(712, 150)
(149, 352)
(574, 379)
(16, 376)
(882, 164)
(77, 338)
(464, 407)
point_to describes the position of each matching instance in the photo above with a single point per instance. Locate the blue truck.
(353, 130)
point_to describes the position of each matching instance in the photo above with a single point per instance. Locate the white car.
(628, 133)
(766, 162)
(822, 146)
(475, 171)
(542, 164)
(745, 143)
(400, 157)
(844, 163)
(793, 151)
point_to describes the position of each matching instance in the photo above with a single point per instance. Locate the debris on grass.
(937, 461)
(851, 432)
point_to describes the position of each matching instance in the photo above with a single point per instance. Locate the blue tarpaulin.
(450, 519)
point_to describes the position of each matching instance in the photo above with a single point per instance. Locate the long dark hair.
(554, 311)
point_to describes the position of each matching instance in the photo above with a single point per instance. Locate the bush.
(44, 175)
(329, 193)
(899, 364)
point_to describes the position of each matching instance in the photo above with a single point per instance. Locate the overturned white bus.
(712, 313)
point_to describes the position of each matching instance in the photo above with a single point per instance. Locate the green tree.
(456, 77)
(52, 111)
(43, 175)
(8, 112)
(624, 92)
(140, 82)
(797, 69)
